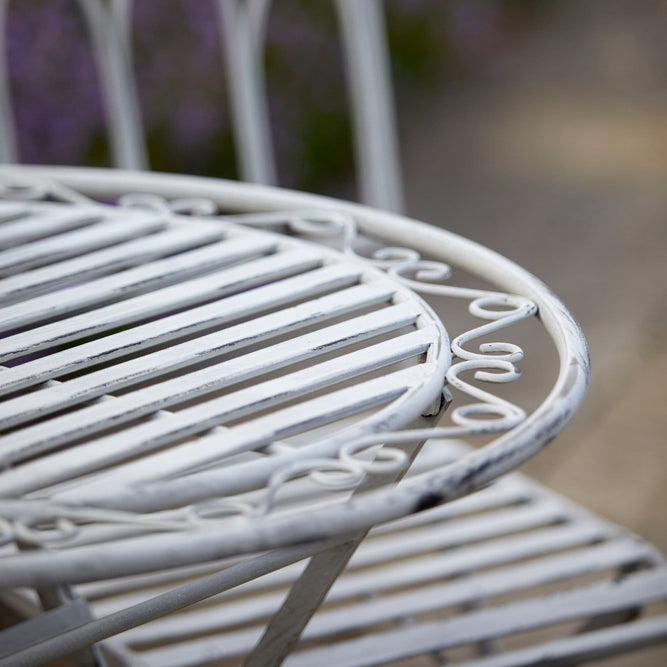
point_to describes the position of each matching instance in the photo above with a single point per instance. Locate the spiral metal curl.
(41, 524)
(192, 206)
(344, 472)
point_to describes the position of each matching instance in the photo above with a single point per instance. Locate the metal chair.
(212, 382)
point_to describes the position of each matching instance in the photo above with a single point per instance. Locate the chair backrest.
(242, 32)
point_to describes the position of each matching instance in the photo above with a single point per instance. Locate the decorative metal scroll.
(494, 362)
(38, 523)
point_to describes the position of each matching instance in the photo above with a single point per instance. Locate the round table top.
(250, 366)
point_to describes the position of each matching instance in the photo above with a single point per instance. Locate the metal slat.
(210, 649)
(359, 614)
(48, 435)
(479, 587)
(200, 418)
(636, 590)
(463, 531)
(79, 241)
(207, 316)
(138, 280)
(232, 339)
(46, 222)
(10, 210)
(405, 642)
(588, 646)
(422, 567)
(118, 257)
(388, 572)
(431, 566)
(182, 295)
(383, 574)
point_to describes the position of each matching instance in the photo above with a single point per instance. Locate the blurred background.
(536, 127)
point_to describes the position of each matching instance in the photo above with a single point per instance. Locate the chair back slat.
(369, 82)
(243, 28)
(112, 58)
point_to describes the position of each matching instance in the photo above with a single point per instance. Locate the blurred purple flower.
(57, 101)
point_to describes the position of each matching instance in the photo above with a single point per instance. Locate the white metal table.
(205, 382)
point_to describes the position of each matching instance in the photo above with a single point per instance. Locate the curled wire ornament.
(406, 265)
(144, 201)
(491, 411)
(60, 529)
(314, 223)
(341, 473)
(323, 224)
(422, 275)
(385, 460)
(43, 526)
(519, 309)
(218, 508)
(386, 258)
(191, 206)
(194, 206)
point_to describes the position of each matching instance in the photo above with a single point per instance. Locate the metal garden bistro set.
(237, 420)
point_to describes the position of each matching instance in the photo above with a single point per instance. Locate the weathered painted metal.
(180, 393)
(153, 409)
